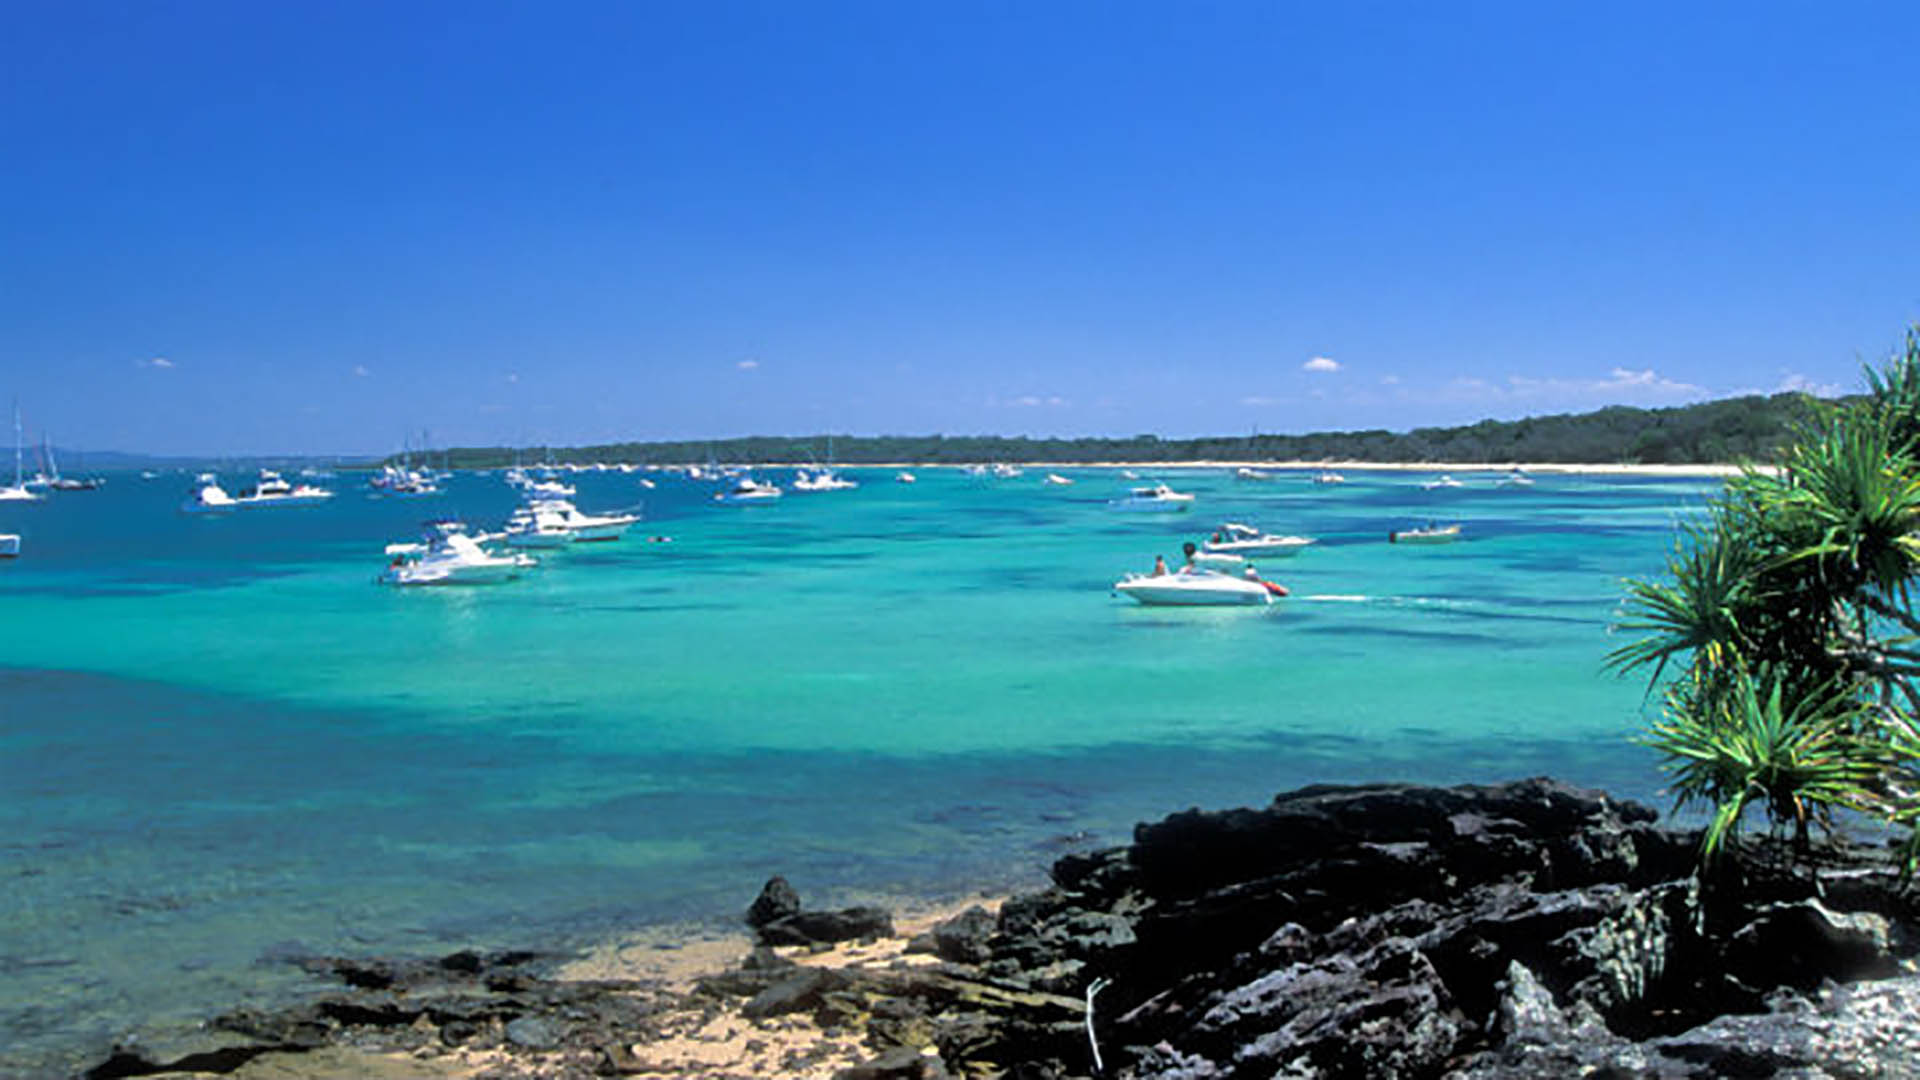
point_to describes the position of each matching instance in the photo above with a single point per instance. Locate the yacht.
(1432, 534)
(1194, 588)
(208, 497)
(272, 489)
(821, 480)
(537, 525)
(9, 545)
(587, 528)
(747, 491)
(397, 482)
(1234, 538)
(1157, 499)
(18, 492)
(449, 556)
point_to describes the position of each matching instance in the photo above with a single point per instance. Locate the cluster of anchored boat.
(449, 555)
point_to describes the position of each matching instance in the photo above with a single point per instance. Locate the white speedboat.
(1193, 588)
(1516, 478)
(1158, 499)
(818, 480)
(905, 477)
(1057, 480)
(9, 545)
(1246, 473)
(272, 489)
(1004, 471)
(748, 491)
(403, 483)
(1432, 534)
(448, 556)
(208, 497)
(1443, 481)
(1329, 478)
(588, 528)
(1234, 538)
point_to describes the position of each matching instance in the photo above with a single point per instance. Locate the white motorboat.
(1218, 560)
(1234, 538)
(1329, 478)
(817, 480)
(18, 492)
(1057, 480)
(905, 477)
(403, 483)
(1158, 499)
(1516, 478)
(588, 528)
(1247, 473)
(1194, 588)
(1432, 534)
(272, 489)
(208, 497)
(537, 526)
(448, 556)
(9, 545)
(747, 491)
(1443, 481)
(1004, 471)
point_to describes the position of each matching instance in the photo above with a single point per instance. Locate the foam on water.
(222, 740)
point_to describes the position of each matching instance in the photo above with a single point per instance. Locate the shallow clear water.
(221, 739)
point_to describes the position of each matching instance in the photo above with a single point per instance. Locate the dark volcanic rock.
(777, 900)
(828, 927)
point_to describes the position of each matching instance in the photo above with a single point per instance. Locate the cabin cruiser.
(1443, 481)
(208, 497)
(1234, 538)
(1432, 534)
(1194, 588)
(747, 491)
(1158, 499)
(536, 525)
(587, 528)
(272, 489)
(9, 545)
(403, 483)
(1246, 473)
(1057, 480)
(449, 556)
(821, 480)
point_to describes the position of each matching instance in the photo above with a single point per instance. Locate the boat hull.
(9, 546)
(1170, 590)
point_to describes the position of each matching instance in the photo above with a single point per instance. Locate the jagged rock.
(963, 938)
(796, 993)
(828, 927)
(533, 1032)
(777, 900)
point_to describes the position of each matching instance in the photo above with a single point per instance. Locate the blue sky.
(327, 228)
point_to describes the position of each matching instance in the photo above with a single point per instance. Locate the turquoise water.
(223, 741)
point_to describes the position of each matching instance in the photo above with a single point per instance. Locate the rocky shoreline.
(1518, 930)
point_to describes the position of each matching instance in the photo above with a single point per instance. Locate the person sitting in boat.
(1159, 566)
(1273, 587)
(1189, 550)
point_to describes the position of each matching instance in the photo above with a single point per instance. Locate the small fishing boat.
(208, 497)
(1158, 499)
(1432, 534)
(1195, 588)
(1235, 538)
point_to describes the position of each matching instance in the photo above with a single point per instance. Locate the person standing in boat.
(1159, 566)
(1189, 550)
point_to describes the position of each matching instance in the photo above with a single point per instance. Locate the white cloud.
(156, 362)
(1321, 363)
(1035, 401)
(1389, 380)
(1622, 386)
(513, 376)
(361, 370)
(1259, 401)
(1794, 381)
(747, 365)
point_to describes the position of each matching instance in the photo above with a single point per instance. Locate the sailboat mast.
(18, 476)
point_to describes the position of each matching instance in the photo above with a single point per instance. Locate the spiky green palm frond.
(1700, 611)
